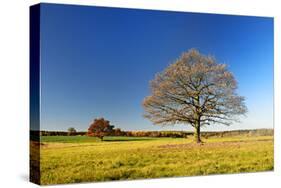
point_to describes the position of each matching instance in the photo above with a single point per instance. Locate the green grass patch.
(87, 139)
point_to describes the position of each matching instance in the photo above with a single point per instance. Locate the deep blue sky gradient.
(97, 62)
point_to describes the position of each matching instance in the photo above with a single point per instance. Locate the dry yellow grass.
(162, 157)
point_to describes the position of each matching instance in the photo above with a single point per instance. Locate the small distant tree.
(71, 131)
(195, 90)
(117, 132)
(100, 128)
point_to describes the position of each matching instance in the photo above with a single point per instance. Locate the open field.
(89, 139)
(83, 159)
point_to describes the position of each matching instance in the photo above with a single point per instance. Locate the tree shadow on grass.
(124, 140)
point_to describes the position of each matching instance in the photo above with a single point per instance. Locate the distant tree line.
(62, 133)
(100, 127)
(173, 134)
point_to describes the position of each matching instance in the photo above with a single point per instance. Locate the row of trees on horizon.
(172, 134)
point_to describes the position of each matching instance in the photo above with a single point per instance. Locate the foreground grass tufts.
(87, 159)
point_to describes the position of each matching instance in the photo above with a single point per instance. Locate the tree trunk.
(197, 120)
(197, 136)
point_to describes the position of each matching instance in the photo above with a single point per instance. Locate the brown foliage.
(100, 128)
(194, 90)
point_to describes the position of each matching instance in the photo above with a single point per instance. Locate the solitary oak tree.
(100, 128)
(194, 90)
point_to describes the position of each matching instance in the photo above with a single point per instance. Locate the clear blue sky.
(97, 62)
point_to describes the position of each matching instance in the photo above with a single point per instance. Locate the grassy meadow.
(73, 159)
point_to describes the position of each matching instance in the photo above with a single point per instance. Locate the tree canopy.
(194, 90)
(71, 131)
(100, 128)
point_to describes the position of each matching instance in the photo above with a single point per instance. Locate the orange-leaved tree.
(100, 128)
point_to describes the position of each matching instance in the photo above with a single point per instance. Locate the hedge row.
(174, 134)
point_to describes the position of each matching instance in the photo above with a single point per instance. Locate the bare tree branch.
(194, 90)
